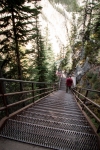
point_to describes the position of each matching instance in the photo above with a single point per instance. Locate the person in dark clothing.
(69, 83)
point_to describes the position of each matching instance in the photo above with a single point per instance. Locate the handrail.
(23, 81)
(88, 99)
(89, 89)
(83, 99)
(15, 95)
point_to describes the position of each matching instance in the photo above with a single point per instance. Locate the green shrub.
(96, 85)
(94, 78)
(89, 75)
(92, 95)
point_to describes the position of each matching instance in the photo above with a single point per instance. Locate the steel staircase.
(55, 122)
(62, 84)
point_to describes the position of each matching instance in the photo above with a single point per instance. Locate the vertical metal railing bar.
(33, 91)
(85, 99)
(3, 91)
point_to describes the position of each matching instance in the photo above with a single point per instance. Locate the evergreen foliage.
(19, 25)
(15, 20)
(49, 54)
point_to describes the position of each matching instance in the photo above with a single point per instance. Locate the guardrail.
(17, 95)
(87, 104)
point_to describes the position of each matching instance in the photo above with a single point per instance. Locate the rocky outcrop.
(81, 70)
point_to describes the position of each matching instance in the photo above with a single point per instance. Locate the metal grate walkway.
(55, 122)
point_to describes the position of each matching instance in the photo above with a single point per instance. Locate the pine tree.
(16, 19)
(49, 53)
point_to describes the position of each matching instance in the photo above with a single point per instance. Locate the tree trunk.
(16, 47)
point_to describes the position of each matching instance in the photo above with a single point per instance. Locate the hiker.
(69, 83)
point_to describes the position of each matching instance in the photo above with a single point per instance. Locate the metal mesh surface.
(55, 122)
(56, 118)
(49, 137)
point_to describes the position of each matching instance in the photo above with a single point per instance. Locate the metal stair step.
(62, 113)
(62, 103)
(55, 109)
(54, 124)
(56, 114)
(62, 107)
(55, 118)
(58, 101)
(49, 137)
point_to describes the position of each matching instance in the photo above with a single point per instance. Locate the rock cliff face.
(81, 70)
(58, 24)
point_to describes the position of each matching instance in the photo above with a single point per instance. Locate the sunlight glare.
(29, 46)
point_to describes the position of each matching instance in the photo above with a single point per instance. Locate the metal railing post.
(33, 91)
(98, 130)
(79, 92)
(44, 89)
(21, 89)
(85, 99)
(3, 91)
(53, 87)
